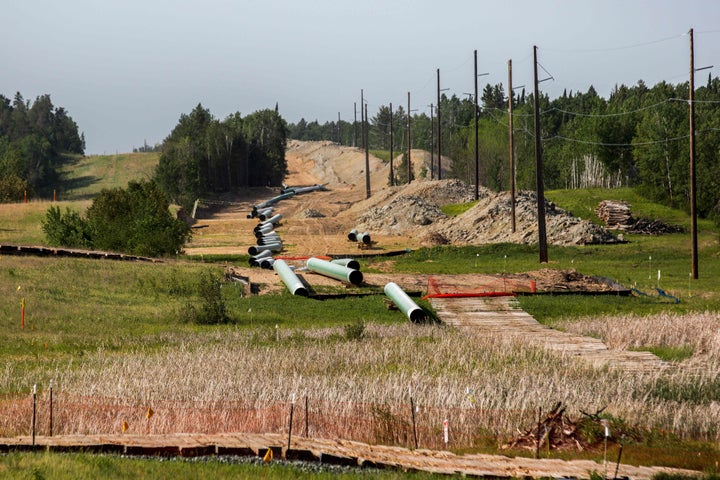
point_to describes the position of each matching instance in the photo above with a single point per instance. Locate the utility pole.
(409, 145)
(355, 124)
(392, 175)
(439, 130)
(367, 158)
(432, 143)
(693, 184)
(512, 145)
(542, 236)
(362, 118)
(477, 155)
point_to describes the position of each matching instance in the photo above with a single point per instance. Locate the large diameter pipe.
(334, 270)
(404, 302)
(312, 188)
(255, 261)
(274, 220)
(291, 281)
(364, 238)
(267, 263)
(273, 247)
(347, 262)
(352, 235)
(273, 200)
(264, 230)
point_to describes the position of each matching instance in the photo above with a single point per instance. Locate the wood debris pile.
(614, 213)
(617, 215)
(555, 431)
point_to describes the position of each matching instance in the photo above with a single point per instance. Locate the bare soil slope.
(399, 217)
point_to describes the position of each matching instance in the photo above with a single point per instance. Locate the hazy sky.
(126, 70)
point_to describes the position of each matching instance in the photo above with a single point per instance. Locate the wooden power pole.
(392, 174)
(693, 183)
(477, 154)
(512, 146)
(409, 145)
(542, 235)
(367, 158)
(439, 131)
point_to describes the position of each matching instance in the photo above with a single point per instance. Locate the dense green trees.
(638, 137)
(135, 220)
(204, 156)
(33, 137)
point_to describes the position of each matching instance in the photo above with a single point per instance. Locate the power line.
(613, 49)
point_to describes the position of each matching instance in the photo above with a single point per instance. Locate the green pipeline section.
(404, 302)
(333, 270)
(291, 281)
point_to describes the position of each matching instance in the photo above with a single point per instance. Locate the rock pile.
(401, 216)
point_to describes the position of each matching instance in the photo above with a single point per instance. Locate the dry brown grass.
(241, 380)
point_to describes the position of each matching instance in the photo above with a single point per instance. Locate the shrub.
(212, 310)
(67, 230)
(355, 331)
(136, 221)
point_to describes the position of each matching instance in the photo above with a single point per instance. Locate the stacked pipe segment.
(291, 281)
(347, 262)
(404, 302)
(334, 270)
(273, 247)
(255, 261)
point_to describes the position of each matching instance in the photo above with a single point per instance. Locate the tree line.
(34, 136)
(205, 156)
(638, 137)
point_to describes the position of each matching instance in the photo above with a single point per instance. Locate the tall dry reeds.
(241, 380)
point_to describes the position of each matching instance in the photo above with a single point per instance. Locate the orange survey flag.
(268, 456)
(150, 413)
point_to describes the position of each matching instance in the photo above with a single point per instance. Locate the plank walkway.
(330, 452)
(503, 318)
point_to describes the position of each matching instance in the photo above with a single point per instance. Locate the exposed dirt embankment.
(405, 216)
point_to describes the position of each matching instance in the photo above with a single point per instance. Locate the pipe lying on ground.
(274, 220)
(404, 302)
(291, 281)
(267, 263)
(273, 247)
(299, 190)
(265, 213)
(273, 200)
(364, 238)
(266, 229)
(268, 240)
(255, 261)
(334, 270)
(352, 235)
(347, 262)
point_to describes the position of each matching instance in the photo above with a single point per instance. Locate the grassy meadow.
(111, 336)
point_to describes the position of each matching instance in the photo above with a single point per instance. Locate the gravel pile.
(490, 221)
(402, 215)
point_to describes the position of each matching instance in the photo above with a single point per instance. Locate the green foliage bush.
(136, 220)
(212, 309)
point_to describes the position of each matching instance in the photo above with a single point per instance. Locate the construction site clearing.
(398, 219)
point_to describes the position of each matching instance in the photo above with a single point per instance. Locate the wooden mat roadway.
(502, 317)
(330, 452)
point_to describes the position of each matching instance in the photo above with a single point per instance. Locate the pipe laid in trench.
(273, 247)
(334, 270)
(404, 302)
(347, 262)
(291, 281)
